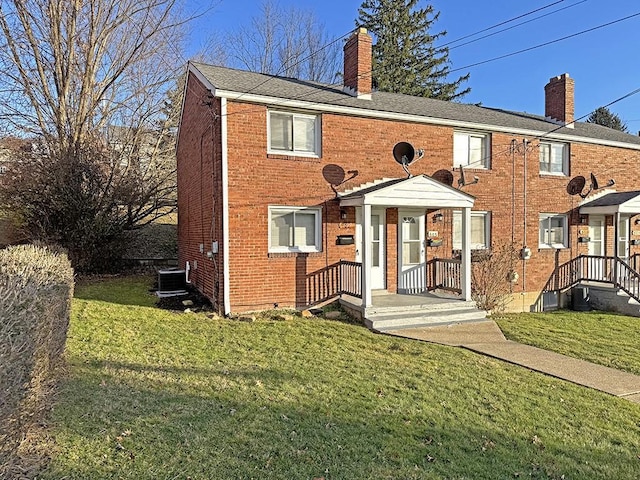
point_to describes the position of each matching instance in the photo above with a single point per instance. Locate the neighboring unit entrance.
(623, 238)
(412, 272)
(377, 236)
(596, 235)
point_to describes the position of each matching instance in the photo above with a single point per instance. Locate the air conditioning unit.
(171, 282)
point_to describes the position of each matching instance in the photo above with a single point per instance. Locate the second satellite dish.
(404, 153)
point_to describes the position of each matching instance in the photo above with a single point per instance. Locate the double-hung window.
(480, 230)
(554, 158)
(553, 230)
(471, 149)
(294, 133)
(295, 229)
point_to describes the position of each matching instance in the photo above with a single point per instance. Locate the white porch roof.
(612, 203)
(418, 191)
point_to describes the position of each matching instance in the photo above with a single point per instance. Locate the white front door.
(412, 273)
(623, 238)
(596, 235)
(597, 266)
(376, 237)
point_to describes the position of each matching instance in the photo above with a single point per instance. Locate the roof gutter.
(369, 113)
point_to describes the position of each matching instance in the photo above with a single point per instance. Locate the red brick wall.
(200, 191)
(257, 180)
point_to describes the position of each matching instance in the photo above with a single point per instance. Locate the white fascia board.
(184, 96)
(204, 80)
(363, 112)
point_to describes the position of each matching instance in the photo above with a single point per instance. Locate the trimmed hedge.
(36, 287)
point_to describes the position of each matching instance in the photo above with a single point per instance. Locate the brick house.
(289, 192)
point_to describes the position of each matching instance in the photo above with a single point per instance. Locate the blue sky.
(604, 63)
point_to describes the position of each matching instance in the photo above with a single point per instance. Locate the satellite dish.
(594, 182)
(443, 176)
(576, 185)
(404, 153)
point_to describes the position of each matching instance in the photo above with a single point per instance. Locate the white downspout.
(465, 268)
(225, 207)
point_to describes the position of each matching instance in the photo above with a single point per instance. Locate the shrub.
(491, 275)
(36, 286)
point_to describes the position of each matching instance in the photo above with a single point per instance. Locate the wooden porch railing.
(335, 279)
(444, 273)
(634, 261)
(592, 268)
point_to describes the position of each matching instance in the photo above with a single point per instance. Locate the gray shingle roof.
(240, 81)
(612, 199)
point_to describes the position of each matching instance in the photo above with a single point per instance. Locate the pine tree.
(405, 59)
(604, 116)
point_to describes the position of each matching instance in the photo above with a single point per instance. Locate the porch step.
(428, 316)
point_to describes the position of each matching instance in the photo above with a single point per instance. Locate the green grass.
(153, 394)
(605, 338)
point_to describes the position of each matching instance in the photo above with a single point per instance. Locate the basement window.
(294, 133)
(295, 229)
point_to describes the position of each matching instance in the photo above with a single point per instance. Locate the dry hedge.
(36, 287)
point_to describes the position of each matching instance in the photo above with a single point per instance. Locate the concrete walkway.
(486, 338)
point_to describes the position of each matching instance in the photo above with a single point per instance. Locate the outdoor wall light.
(438, 217)
(343, 214)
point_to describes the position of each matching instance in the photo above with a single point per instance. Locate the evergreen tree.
(605, 117)
(405, 59)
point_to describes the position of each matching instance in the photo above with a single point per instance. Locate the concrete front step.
(413, 319)
(609, 298)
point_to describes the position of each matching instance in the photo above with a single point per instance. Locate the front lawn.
(153, 394)
(609, 339)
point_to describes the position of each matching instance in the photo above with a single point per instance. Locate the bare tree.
(88, 82)
(289, 42)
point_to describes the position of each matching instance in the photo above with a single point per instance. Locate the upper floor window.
(480, 230)
(553, 230)
(295, 229)
(471, 149)
(554, 158)
(294, 133)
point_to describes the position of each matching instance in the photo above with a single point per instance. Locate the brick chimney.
(558, 99)
(357, 64)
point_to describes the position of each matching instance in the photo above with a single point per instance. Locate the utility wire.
(546, 43)
(500, 24)
(515, 26)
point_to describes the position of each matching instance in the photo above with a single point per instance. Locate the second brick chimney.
(357, 64)
(558, 102)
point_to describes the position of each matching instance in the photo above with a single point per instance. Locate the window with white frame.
(480, 230)
(295, 229)
(294, 133)
(471, 149)
(554, 158)
(553, 230)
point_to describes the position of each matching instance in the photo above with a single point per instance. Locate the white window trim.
(317, 211)
(487, 230)
(317, 152)
(486, 143)
(565, 239)
(565, 160)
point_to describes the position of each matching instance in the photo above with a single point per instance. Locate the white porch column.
(366, 256)
(465, 267)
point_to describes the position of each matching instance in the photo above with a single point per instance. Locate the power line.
(500, 57)
(516, 25)
(501, 23)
